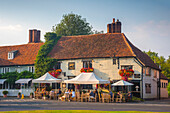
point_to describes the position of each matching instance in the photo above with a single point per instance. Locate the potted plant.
(31, 95)
(5, 93)
(19, 95)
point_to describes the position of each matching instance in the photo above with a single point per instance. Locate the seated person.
(111, 93)
(92, 95)
(73, 95)
(59, 93)
(51, 94)
(129, 95)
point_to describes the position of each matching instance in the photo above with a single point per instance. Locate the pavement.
(14, 104)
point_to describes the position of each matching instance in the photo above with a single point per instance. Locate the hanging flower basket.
(126, 73)
(86, 70)
(55, 73)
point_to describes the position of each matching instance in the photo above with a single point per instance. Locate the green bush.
(168, 88)
(5, 92)
(136, 99)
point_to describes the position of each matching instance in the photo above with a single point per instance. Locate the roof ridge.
(19, 45)
(90, 35)
(126, 41)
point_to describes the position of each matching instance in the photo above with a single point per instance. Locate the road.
(30, 104)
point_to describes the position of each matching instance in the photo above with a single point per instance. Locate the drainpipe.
(159, 84)
(142, 82)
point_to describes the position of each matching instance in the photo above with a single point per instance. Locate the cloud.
(152, 35)
(11, 34)
(11, 27)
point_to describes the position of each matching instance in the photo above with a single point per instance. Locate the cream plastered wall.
(19, 69)
(163, 90)
(103, 67)
(153, 81)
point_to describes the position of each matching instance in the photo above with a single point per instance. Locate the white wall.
(16, 68)
(153, 81)
(103, 67)
(14, 92)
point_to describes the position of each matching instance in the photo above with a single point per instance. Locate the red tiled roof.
(90, 46)
(98, 46)
(162, 76)
(25, 55)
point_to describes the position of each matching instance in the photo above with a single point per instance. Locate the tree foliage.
(43, 63)
(73, 24)
(160, 61)
(26, 74)
(13, 76)
(168, 88)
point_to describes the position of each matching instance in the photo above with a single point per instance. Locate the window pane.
(114, 61)
(71, 65)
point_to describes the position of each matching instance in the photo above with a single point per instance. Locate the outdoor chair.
(84, 97)
(105, 97)
(113, 98)
(124, 98)
(66, 97)
(78, 97)
(119, 98)
(35, 95)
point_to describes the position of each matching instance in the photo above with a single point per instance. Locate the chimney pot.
(34, 36)
(114, 27)
(113, 20)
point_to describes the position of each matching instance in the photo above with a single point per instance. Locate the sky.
(146, 23)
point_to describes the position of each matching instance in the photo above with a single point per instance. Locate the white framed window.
(10, 55)
(5, 70)
(126, 67)
(31, 69)
(147, 88)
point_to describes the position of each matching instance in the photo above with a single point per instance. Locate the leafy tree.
(168, 88)
(25, 74)
(160, 61)
(11, 77)
(43, 63)
(72, 24)
(97, 32)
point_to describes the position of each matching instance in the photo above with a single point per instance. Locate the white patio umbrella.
(122, 83)
(46, 78)
(87, 78)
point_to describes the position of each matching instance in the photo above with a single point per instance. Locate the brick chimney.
(114, 27)
(34, 36)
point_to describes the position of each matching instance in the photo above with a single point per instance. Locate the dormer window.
(11, 54)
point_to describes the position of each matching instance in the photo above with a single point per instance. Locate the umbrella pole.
(98, 93)
(109, 87)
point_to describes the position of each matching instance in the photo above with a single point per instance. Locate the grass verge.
(76, 111)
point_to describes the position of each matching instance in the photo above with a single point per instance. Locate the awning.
(87, 78)
(25, 81)
(46, 78)
(2, 81)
